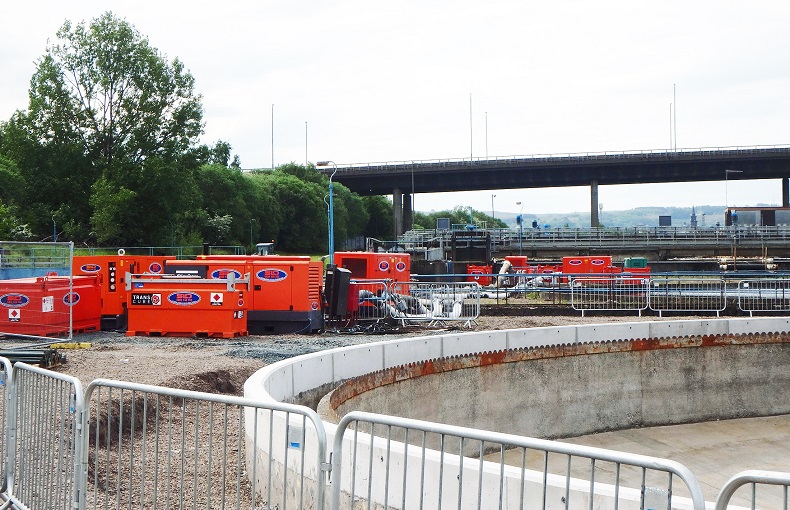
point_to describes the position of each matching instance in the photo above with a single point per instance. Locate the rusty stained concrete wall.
(570, 390)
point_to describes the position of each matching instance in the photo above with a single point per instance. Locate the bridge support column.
(785, 192)
(397, 213)
(594, 221)
(408, 213)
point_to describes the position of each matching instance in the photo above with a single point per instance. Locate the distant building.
(693, 222)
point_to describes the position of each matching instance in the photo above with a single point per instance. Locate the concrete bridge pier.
(785, 191)
(402, 214)
(594, 221)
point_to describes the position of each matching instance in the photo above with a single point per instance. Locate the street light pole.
(492, 206)
(331, 228)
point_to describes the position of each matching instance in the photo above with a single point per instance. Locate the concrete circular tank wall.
(552, 392)
(660, 371)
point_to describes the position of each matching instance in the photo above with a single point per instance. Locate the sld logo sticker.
(222, 274)
(90, 268)
(71, 298)
(14, 300)
(183, 298)
(271, 275)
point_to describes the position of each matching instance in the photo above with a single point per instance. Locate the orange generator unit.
(375, 265)
(162, 305)
(111, 271)
(40, 306)
(285, 295)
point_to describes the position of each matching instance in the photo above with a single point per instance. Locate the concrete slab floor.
(713, 451)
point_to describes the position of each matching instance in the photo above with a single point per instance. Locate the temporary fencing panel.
(44, 432)
(368, 300)
(609, 292)
(153, 447)
(436, 302)
(37, 294)
(417, 464)
(6, 420)
(764, 295)
(687, 294)
(766, 489)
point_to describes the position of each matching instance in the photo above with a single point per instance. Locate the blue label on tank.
(14, 300)
(71, 298)
(90, 268)
(222, 274)
(271, 275)
(183, 298)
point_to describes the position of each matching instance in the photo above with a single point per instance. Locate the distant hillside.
(707, 215)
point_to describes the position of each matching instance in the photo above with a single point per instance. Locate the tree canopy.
(108, 151)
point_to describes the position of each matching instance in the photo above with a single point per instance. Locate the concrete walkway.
(713, 451)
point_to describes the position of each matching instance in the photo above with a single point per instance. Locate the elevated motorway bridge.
(402, 178)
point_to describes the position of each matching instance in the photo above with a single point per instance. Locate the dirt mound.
(221, 382)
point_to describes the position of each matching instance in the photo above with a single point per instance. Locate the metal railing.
(416, 302)
(148, 445)
(42, 467)
(390, 462)
(629, 154)
(610, 292)
(614, 237)
(128, 445)
(687, 294)
(766, 480)
(764, 295)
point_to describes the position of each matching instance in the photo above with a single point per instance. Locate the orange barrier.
(40, 306)
(160, 305)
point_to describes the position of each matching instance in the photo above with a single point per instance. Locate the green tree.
(379, 224)
(127, 118)
(103, 85)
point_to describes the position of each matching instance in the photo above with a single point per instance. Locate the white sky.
(360, 81)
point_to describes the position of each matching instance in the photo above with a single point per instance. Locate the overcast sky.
(370, 81)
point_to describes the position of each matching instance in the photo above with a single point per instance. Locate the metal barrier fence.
(764, 295)
(148, 446)
(436, 302)
(417, 302)
(6, 419)
(773, 491)
(43, 453)
(373, 301)
(687, 294)
(609, 292)
(449, 469)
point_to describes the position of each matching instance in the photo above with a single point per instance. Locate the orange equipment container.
(160, 305)
(476, 274)
(518, 262)
(286, 290)
(111, 270)
(587, 265)
(375, 265)
(40, 306)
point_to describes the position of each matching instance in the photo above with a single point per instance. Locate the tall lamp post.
(493, 217)
(331, 212)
